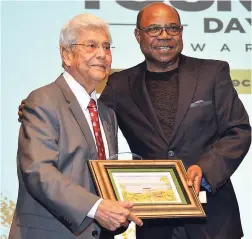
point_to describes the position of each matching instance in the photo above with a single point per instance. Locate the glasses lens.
(90, 47)
(173, 30)
(154, 31)
(107, 49)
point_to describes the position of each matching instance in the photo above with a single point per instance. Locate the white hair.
(70, 32)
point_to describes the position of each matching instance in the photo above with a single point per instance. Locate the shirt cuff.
(93, 210)
(205, 184)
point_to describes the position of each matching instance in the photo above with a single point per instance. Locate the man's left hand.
(194, 174)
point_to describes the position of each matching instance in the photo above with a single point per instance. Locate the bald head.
(155, 7)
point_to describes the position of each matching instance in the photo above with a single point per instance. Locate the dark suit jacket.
(56, 190)
(211, 130)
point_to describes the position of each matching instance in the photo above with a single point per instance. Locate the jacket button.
(95, 233)
(170, 153)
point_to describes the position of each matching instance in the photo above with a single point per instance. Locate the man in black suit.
(173, 106)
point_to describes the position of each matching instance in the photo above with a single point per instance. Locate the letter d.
(212, 29)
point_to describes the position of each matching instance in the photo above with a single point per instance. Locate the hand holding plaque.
(158, 188)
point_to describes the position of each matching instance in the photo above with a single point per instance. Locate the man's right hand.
(20, 110)
(113, 214)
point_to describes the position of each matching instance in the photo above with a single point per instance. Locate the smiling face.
(88, 61)
(161, 52)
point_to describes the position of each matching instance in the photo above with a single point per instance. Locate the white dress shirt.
(83, 99)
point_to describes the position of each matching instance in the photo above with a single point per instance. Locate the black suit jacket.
(211, 130)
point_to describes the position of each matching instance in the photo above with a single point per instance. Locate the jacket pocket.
(37, 221)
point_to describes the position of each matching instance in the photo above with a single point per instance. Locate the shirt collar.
(79, 91)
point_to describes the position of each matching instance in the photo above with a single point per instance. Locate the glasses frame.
(83, 44)
(166, 28)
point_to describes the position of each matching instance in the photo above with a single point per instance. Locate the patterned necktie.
(96, 128)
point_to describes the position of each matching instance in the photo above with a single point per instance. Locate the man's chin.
(99, 77)
(167, 60)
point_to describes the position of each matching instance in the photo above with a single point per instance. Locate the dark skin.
(159, 59)
(161, 54)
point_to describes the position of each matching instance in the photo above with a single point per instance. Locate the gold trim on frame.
(193, 208)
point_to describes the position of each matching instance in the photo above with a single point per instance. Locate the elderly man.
(173, 106)
(63, 127)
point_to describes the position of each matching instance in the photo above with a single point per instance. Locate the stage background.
(30, 59)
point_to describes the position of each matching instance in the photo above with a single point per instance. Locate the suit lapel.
(141, 97)
(107, 127)
(188, 74)
(78, 115)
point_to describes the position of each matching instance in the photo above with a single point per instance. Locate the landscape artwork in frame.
(158, 188)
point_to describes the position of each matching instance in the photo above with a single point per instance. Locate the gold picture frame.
(158, 188)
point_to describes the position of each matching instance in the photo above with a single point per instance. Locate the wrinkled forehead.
(159, 16)
(96, 35)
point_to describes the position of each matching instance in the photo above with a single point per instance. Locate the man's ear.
(66, 55)
(181, 32)
(137, 35)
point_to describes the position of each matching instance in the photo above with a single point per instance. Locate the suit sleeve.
(224, 157)
(38, 155)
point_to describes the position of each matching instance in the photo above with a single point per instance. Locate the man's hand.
(113, 215)
(20, 110)
(194, 174)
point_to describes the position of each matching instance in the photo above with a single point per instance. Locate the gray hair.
(70, 32)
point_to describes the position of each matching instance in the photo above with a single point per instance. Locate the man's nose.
(100, 52)
(164, 34)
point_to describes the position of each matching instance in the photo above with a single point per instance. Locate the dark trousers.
(161, 229)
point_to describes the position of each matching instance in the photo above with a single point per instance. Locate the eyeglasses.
(155, 31)
(92, 47)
